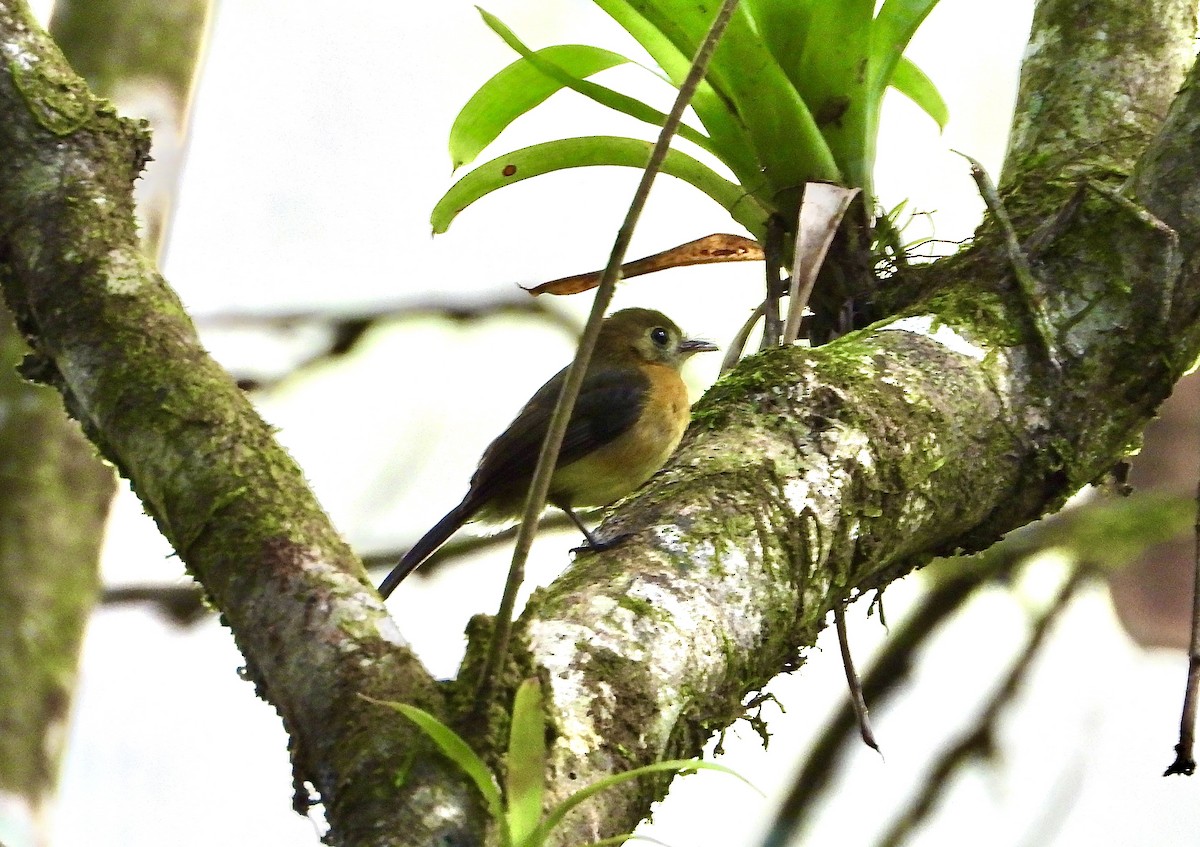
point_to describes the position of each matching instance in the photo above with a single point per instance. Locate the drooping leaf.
(891, 31)
(452, 746)
(912, 82)
(514, 91)
(890, 34)
(601, 94)
(556, 815)
(594, 150)
(526, 762)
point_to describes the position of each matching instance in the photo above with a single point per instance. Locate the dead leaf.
(719, 247)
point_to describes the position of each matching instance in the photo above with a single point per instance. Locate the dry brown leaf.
(719, 247)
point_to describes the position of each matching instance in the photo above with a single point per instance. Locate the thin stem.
(1028, 283)
(1185, 761)
(855, 684)
(773, 250)
(539, 488)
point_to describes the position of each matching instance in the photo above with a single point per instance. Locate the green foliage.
(793, 94)
(518, 813)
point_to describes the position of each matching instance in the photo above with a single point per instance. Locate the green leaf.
(831, 76)
(890, 34)
(526, 761)
(456, 750)
(783, 134)
(714, 109)
(783, 25)
(594, 150)
(604, 96)
(891, 31)
(554, 818)
(516, 90)
(912, 82)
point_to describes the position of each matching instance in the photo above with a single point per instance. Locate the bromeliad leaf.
(526, 762)
(594, 150)
(783, 135)
(890, 34)
(514, 91)
(457, 751)
(604, 96)
(912, 82)
(556, 815)
(831, 77)
(728, 136)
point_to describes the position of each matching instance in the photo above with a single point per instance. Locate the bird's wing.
(609, 403)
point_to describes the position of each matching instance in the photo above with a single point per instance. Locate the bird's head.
(646, 335)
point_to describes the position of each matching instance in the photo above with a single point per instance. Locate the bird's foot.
(595, 545)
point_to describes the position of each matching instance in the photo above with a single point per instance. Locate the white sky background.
(318, 149)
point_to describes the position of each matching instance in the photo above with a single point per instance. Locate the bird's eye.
(659, 336)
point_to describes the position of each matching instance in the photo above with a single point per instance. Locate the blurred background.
(317, 147)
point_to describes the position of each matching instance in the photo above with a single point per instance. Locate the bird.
(629, 417)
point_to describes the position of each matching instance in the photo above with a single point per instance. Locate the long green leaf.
(526, 762)
(594, 150)
(714, 108)
(601, 94)
(554, 818)
(831, 75)
(457, 751)
(514, 91)
(784, 136)
(912, 82)
(783, 25)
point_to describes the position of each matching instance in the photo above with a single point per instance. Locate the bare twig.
(1185, 761)
(738, 344)
(539, 487)
(857, 701)
(347, 327)
(1027, 281)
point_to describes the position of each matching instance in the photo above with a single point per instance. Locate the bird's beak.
(691, 345)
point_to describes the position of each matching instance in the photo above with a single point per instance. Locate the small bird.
(631, 412)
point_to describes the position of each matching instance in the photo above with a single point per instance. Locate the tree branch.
(113, 339)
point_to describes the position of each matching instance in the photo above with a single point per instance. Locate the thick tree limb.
(808, 473)
(112, 338)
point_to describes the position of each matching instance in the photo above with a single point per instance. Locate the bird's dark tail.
(428, 544)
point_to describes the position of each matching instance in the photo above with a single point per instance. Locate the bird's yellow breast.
(610, 472)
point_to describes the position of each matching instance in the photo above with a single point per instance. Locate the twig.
(1027, 282)
(182, 604)
(891, 668)
(738, 344)
(347, 327)
(857, 701)
(1185, 762)
(539, 487)
(979, 741)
